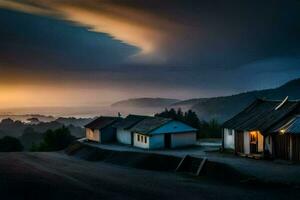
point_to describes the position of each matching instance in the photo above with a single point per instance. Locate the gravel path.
(57, 176)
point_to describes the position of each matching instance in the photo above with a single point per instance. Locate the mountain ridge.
(223, 107)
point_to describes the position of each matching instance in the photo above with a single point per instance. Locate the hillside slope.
(222, 108)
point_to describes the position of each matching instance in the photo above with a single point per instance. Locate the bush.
(55, 140)
(10, 144)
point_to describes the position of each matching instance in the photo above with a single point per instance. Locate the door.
(239, 141)
(253, 142)
(168, 140)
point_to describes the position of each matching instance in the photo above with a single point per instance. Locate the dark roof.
(291, 125)
(129, 121)
(102, 122)
(149, 124)
(261, 115)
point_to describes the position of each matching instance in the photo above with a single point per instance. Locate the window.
(230, 132)
(142, 138)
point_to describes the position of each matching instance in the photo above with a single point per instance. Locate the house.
(158, 132)
(124, 135)
(101, 129)
(265, 128)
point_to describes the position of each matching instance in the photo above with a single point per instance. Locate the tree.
(30, 137)
(56, 140)
(205, 129)
(10, 144)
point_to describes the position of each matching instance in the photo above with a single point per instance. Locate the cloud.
(170, 48)
(219, 33)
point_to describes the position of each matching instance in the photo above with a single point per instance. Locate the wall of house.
(246, 142)
(228, 138)
(92, 135)
(140, 143)
(123, 136)
(269, 144)
(260, 142)
(108, 134)
(183, 139)
(157, 142)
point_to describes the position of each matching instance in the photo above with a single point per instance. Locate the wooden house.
(101, 129)
(265, 128)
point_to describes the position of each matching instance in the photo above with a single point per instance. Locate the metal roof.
(129, 121)
(291, 126)
(149, 124)
(261, 115)
(102, 122)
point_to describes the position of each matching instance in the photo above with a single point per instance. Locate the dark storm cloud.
(30, 42)
(205, 47)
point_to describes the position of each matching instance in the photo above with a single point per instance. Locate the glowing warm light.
(121, 29)
(51, 96)
(142, 30)
(282, 131)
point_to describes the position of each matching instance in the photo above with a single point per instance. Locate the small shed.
(101, 129)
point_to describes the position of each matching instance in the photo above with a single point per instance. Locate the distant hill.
(222, 108)
(219, 108)
(145, 102)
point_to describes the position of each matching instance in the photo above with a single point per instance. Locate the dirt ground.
(58, 176)
(266, 170)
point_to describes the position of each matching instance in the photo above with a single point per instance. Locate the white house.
(124, 135)
(101, 129)
(158, 132)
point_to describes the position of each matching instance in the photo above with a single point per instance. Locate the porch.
(249, 144)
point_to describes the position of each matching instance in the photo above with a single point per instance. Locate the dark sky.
(98, 51)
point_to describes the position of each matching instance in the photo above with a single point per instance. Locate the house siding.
(183, 139)
(108, 134)
(157, 142)
(260, 143)
(269, 144)
(123, 136)
(92, 135)
(229, 138)
(246, 142)
(140, 144)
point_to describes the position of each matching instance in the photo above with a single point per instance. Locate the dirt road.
(58, 176)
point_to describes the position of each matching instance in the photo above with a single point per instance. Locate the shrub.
(10, 144)
(55, 140)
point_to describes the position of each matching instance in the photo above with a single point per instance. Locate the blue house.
(155, 132)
